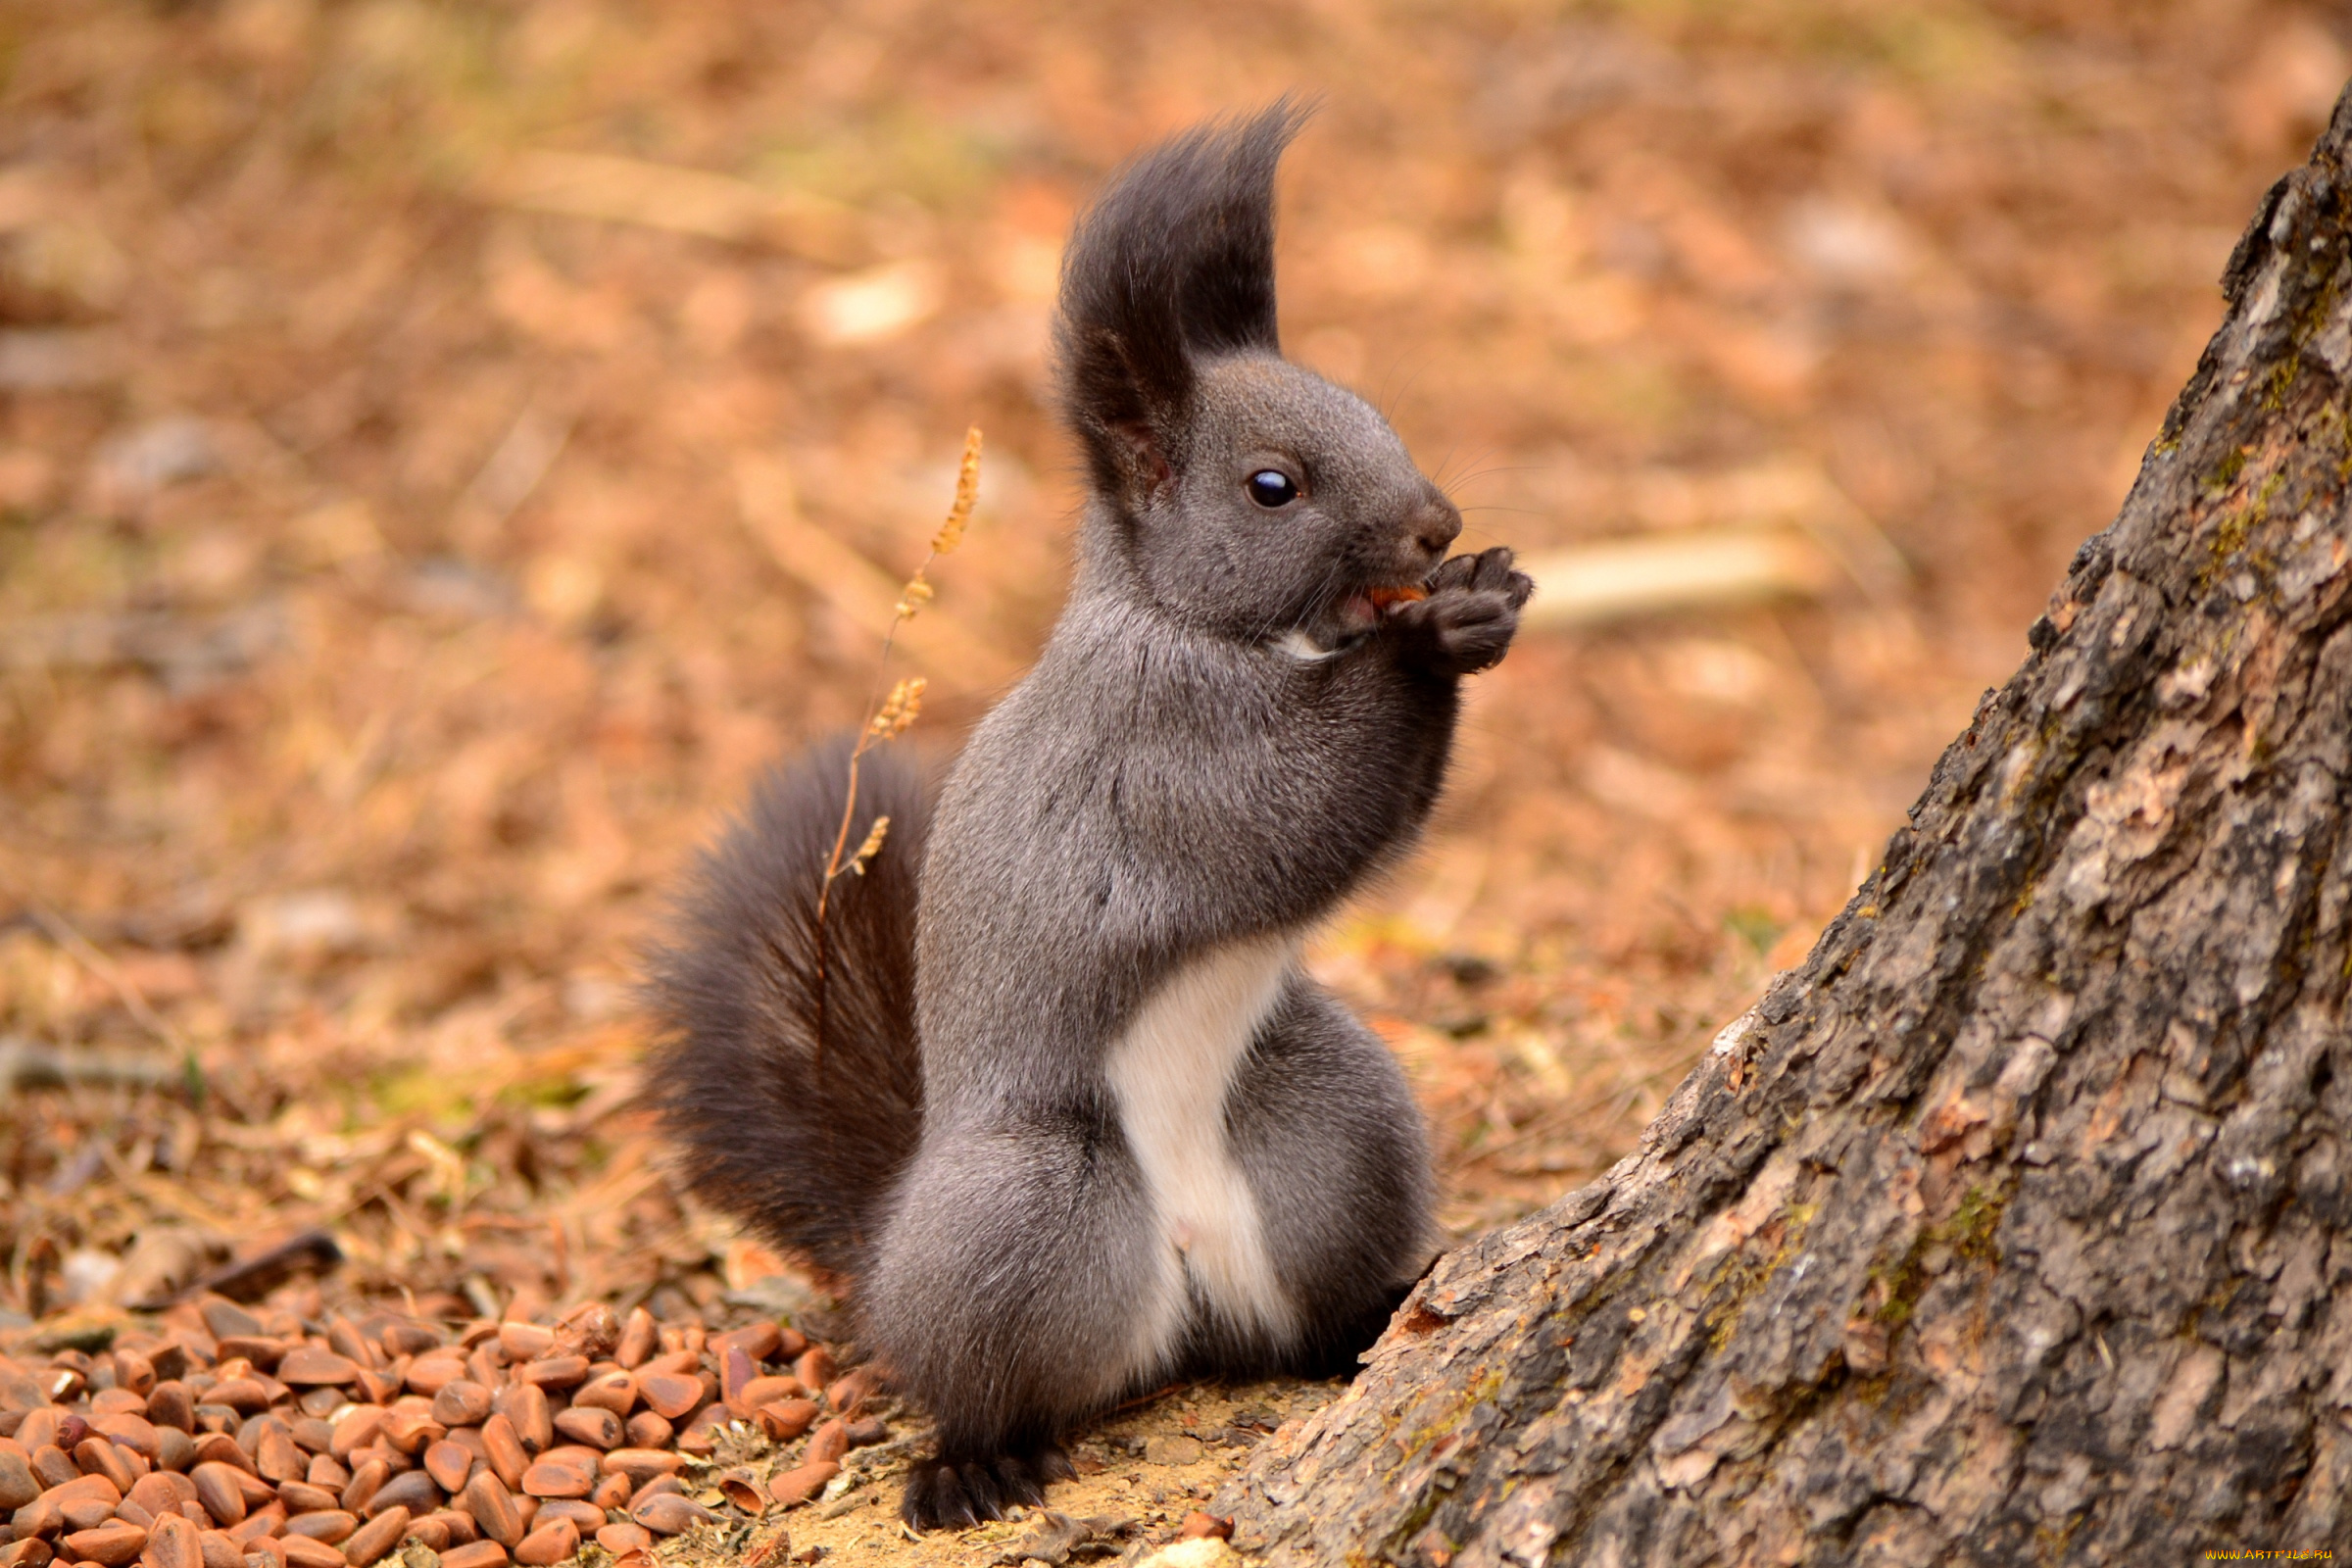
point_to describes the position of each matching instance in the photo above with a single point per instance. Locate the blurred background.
(447, 447)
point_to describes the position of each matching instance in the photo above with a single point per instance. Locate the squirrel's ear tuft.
(1174, 261)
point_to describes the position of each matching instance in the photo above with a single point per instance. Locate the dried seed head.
(872, 846)
(913, 597)
(899, 709)
(967, 492)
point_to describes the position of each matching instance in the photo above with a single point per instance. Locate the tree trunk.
(2012, 1226)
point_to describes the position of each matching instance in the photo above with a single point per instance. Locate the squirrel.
(1054, 1094)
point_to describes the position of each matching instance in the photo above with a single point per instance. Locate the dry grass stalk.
(890, 716)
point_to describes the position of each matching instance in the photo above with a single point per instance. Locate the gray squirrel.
(1079, 1122)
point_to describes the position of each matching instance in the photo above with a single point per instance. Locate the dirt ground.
(1142, 1471)
(446, 449)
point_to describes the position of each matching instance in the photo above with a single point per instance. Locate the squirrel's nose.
(1436, 524)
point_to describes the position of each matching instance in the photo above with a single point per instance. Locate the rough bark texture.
(2012, 1227)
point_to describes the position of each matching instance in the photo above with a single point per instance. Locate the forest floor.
(446, 451)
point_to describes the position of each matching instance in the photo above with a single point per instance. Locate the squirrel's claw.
(1454, 573)
(945, 1493)
(1471, 611)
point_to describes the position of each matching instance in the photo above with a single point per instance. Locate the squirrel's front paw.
(1467, 621)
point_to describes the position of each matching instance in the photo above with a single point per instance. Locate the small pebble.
(1172, 1447)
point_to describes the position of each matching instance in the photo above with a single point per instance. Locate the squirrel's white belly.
(1169, 1070)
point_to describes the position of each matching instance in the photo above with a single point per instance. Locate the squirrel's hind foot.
(946, 1493)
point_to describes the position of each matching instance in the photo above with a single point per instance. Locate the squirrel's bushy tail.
(803, 1144)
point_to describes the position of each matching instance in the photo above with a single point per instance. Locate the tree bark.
(2011, 1227)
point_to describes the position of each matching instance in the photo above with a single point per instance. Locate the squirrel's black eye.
(1271, 488)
